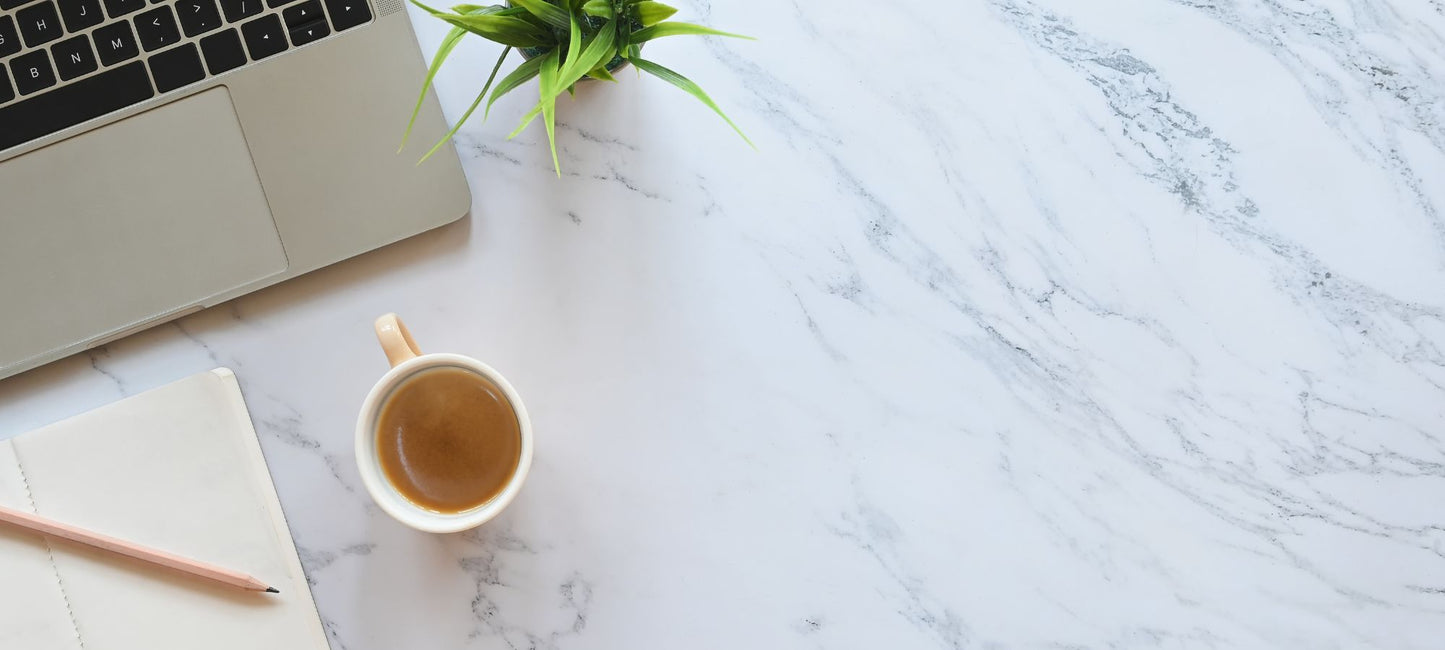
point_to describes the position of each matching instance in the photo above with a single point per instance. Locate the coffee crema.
(448, 440)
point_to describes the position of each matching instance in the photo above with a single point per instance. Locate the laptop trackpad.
(142, 218)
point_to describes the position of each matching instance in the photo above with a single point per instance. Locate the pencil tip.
(272, 590)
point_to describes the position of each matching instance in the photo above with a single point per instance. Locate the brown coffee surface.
(448, 439)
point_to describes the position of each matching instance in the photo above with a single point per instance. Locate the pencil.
(154, 556)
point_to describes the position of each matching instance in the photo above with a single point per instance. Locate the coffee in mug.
(448, 439)
(443, 441)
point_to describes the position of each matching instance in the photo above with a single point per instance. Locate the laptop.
(161, 156)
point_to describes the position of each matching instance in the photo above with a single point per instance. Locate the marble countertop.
(1030, 324)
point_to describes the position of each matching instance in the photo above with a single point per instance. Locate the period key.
(198, 16)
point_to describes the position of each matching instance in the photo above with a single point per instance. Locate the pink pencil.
(169, 560)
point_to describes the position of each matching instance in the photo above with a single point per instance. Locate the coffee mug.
(406, 361)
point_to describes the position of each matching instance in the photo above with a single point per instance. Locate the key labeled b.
(32, 72)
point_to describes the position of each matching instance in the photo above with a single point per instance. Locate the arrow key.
(346, 14)
(264, 36)
(310, 32)
(302, 14)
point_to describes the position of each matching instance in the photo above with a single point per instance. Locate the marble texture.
(1029, 324)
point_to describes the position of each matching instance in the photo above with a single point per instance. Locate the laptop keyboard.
(63, 62)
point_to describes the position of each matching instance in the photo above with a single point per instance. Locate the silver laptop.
(161, 156)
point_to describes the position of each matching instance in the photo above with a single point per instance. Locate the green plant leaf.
(651, 13)
(548, 12)
(470, 109)
(506, 30)
(526, 121)
(678, 29)
(598, 8)
(574, 40)
(524, 73)
(599, 50)
(550, 90)
(521, 14)
(443, 51)
(477, 9)
(689, 87)
(448, 44)
(601, 74)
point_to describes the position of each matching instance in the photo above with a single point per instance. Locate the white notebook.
(177, 468)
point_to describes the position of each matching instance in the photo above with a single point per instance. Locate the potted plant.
(562, 42)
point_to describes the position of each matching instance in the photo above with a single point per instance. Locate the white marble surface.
(1031, 324)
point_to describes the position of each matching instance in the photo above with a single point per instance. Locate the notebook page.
(179, 469)
(33, 614)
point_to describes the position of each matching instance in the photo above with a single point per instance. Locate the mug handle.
(395, 340)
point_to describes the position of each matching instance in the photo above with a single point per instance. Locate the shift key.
(67, 106)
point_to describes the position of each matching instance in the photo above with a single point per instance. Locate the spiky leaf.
(480, 96)
(448, 44)
(477, 9)
(598, 8)
(506, 30)
(675, 28)
(443, 51)
(651, 13)
(574, 40)
(598, 51)
(689, 87)
(517, 77)
(550, 89)
(601, 74)
(548, 12)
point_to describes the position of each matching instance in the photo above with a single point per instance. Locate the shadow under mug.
(407, 360)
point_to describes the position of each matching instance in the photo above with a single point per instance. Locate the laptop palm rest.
(119, 239)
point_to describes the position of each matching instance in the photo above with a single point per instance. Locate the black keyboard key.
(264, 37)
(157, 29)
(304, 34)
(73, 57)
(115, 43)
(9, 38)
(223, 51)
(11, 4)
(39, 24)
(346, 14)
(32, 72)
(237, 10)
(298, 15)
(276, 3)
(80, 14)
(6, 94)
(118, 8)
(198, 16)
(177, 67)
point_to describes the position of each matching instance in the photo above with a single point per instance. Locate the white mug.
(407, 360)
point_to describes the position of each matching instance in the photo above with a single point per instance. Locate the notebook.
(177, 468)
